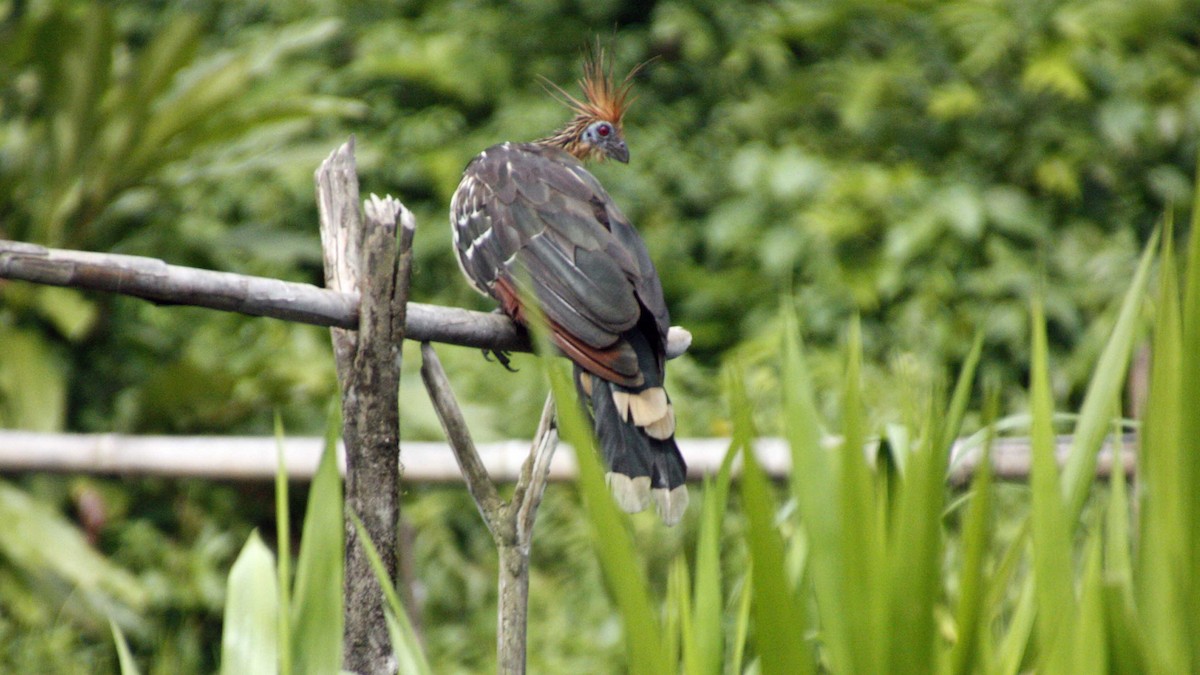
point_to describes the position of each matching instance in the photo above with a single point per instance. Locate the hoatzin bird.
(530, 221)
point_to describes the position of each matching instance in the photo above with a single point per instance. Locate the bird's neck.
(568, 139)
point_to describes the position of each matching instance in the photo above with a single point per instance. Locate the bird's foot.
(501, 356)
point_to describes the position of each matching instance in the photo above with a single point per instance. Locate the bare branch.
(479, 483)
(154, 280)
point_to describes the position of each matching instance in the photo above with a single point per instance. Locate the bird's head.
(595, 131)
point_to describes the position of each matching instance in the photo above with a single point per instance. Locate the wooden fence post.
(362, 255)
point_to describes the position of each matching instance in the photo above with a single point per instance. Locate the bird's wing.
(530, 217)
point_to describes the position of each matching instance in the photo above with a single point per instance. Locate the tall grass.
(855, 575)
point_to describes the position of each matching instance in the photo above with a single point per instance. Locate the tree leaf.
(250, 637)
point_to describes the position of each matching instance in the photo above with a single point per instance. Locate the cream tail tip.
(631, 494)
(671, 504)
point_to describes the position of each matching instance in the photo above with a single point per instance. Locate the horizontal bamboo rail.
(255, 457)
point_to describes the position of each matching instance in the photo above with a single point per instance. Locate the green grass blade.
(1164, 526)
(283, 544)
(814, 489)
(741, 626)
(703, 639)
(1125, 634)
(614, 543)
(249, 640)
(623, 570)
(410, 656)
(677, 611)
(1095, 416)
(864, 570)
(124, 656)
(1189, 469)
(961, 396)
(1118, 566)
(1089, 653)
(915, 560)
(317, 596)
(1015, 643)
(976, 537)
(779, 621)
(1052, 566)
(1006, 570)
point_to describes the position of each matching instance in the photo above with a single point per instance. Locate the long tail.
(636, 430)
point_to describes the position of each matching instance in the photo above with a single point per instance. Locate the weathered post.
(370, 256)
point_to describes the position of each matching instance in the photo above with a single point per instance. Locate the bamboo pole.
(253, 458)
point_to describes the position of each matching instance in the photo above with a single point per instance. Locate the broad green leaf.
(88, 68)
(70, 312)
(172, 49)
(249, 638)
(317, 595)
(33, 389)
(29, 525)
(1054, 72)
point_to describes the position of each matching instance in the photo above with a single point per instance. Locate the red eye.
(604, 130)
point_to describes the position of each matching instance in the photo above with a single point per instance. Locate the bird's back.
(526, 213)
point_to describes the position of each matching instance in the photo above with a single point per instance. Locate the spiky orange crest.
(603, 98)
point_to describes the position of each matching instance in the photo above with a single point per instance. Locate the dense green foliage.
(928, 166)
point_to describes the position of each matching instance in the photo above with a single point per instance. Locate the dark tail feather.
(641, 468)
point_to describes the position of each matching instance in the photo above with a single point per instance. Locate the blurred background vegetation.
(929, 166)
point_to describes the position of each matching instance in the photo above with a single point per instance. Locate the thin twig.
(531, 486)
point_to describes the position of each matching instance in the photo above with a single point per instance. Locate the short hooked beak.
(619, 151)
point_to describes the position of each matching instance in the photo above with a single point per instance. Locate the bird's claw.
(501, 357)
